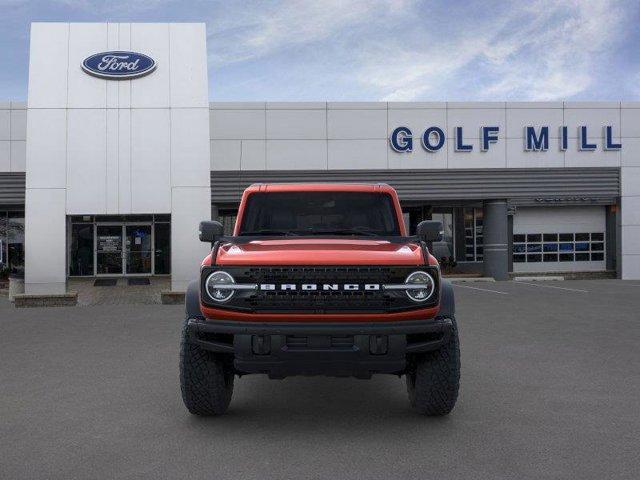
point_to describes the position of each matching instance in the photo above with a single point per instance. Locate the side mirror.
(210, 231)
(430, 231)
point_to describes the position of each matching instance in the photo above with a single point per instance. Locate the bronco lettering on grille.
(324, 286)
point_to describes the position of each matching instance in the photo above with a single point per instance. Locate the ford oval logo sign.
(118, 65)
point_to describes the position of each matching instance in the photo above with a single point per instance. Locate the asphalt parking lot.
(550, 389)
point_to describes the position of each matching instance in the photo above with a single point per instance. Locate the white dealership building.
(117, 154)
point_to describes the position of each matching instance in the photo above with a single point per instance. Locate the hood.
(320, 251)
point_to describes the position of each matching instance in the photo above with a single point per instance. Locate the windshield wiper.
(268, 231)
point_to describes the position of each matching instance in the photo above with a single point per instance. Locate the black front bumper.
(335, 349)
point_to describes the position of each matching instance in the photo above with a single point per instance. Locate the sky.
(377, 50)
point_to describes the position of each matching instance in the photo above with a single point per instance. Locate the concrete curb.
(172, 298)
(538, 278)
(470, 279)
(23, 300)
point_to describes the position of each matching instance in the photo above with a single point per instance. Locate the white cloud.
(408, 50)
(547, 50)
(262, 28)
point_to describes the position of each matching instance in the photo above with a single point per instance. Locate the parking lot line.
(552, 286)
(481, 289)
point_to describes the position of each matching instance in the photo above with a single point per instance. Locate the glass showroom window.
(162, 226)
(4, 266)
(13, 253)
(558, 247)
(227, 218)
(473, 227)
(81, 250)
(446, 248)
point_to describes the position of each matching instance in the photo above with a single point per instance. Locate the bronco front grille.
(320, 301)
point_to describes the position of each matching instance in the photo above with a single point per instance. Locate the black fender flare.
(192, 300)
(447, 300)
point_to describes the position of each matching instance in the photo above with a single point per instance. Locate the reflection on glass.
(15, 241)
(109, 249)
(444, 249)
(81, 249)
(138, 245)
(163, 248)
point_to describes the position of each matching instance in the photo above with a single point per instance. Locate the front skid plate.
(281, 350)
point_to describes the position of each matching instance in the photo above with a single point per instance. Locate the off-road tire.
(205, 381)
(433, 378)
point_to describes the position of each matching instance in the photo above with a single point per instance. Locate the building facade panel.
(362, 154)
(18, 156)
(188, 54)
(364, 124)
(152, 91)
(225, 154)
(253, 155)
(630, 122)
(45, 242)
(48, 65)
(189, 145)
(296, 124)
(5, 123)
(5, 156)
(110, 146)
(518, 118)
(82, 90)
(296, 154)
(630, 154)
(238, 124)
(517, 157)
(593, 116)
(86, 180)
(47, 148)
(13, 129)
(151, 160)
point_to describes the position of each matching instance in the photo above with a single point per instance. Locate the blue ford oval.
(118, 65)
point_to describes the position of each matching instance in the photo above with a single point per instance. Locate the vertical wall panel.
(124, 86)
(190, 146)
(152, 91)
(47, 148)
(124, 161)
(112, 162)
(48, 63)
(86, 91)
(150, 161)
(45, 241)
(113, 43)
(188, 65)
(86, 161)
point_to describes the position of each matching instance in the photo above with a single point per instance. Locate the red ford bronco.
(319, 279)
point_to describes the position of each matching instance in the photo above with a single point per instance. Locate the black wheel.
(205, 381)
(434, 378)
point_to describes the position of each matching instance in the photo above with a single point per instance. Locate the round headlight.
(216, 283)
(420, 286)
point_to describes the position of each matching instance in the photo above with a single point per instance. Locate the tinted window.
(309, 213)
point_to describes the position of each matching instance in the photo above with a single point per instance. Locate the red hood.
(320, 251)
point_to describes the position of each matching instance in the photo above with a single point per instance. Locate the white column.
(630, 191)
(45, 241)
(630, 223)
(190, 205)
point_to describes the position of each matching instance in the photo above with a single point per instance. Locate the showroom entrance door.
(124, 249)
(138, 259)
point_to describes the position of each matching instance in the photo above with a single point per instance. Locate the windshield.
(319, 213)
